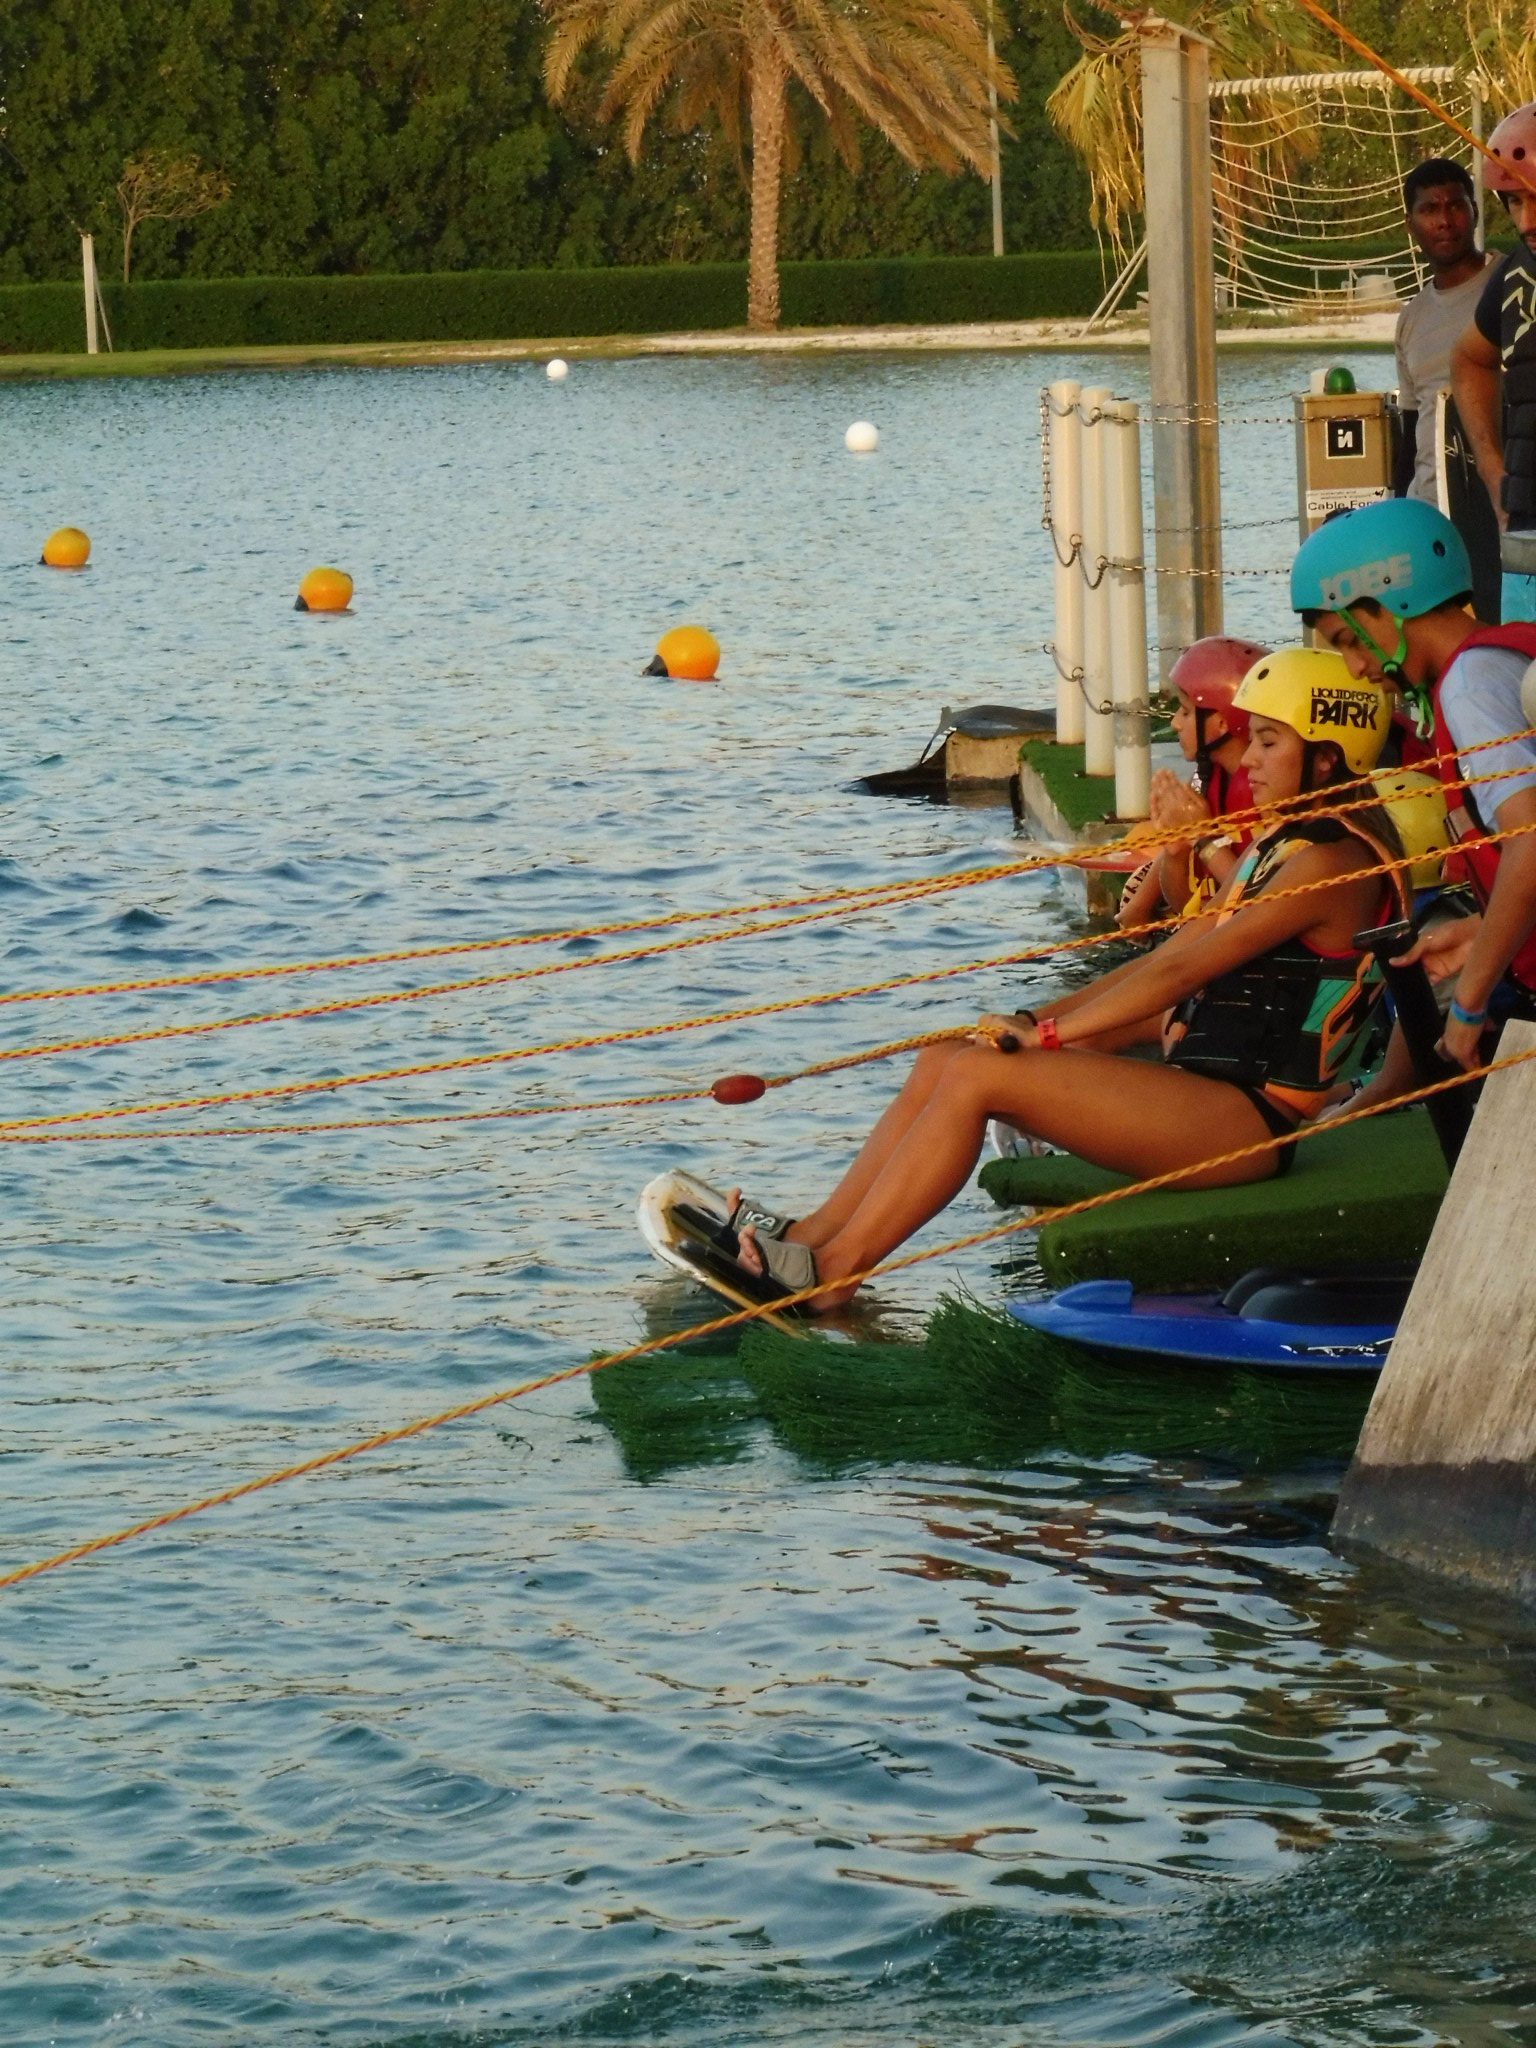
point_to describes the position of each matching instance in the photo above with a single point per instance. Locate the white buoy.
(557, 369)
(862, 438)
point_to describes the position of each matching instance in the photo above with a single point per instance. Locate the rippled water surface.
(775, 1697)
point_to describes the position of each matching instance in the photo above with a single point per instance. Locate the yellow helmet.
(1312, 691)
(1416, 805)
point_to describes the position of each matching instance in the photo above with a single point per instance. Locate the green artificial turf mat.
(1081, 799)
(981, 1392)
(1368, 1192)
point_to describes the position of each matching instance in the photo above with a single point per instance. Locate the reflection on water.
(847, 1691)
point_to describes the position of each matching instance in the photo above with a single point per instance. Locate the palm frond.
(1502, 37)
(1096, 106)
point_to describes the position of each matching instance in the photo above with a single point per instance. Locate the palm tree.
(1096, 106)
(918, 71)
(1502, 36)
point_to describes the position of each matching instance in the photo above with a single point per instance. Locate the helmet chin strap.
(1202, 749)
(1417, 699)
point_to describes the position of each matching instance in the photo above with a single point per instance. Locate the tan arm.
(1478, 389)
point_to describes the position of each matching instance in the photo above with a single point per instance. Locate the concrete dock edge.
(1444, 1476)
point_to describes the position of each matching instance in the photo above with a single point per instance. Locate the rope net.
(1307, 178)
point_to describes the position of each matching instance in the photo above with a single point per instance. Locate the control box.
(1344, 444)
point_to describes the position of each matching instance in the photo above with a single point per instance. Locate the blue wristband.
(1462, 1016)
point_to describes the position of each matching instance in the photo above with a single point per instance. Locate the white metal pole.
(997, 148)
(1181, 304)
(88, 269)
(1098, 717)
(1127, 586)
(101, 307)
(1064, 429)
(1479, 161)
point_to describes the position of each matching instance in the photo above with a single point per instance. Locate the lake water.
(752, 1701)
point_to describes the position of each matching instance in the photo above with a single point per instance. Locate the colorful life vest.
(1477, 861)
(1295, 1022)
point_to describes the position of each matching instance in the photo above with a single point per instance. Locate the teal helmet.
(1400, 552)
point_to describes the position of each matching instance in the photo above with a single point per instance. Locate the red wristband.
(1048, 1035)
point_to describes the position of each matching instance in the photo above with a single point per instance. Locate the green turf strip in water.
(982, 1392)
(1368, 1192)
(1082, 799)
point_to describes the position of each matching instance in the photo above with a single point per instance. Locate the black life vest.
(1292, 1023)
(1517, 353)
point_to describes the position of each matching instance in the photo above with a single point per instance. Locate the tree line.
(415, 135)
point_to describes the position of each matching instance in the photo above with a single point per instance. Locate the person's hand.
(1174, 804)
(1347, 1095)
(1461, 1044)
(993, 1028)
(1442, 948)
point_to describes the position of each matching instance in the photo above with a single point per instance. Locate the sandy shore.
(1370, 330)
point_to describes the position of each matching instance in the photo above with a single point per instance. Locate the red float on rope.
(738, 1088)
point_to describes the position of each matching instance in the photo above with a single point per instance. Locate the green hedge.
(1043, 285)
(489, 305)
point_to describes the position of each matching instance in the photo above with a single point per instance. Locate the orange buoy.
(324, 590)
(738, 1088)
(69, 548)
(688, 654)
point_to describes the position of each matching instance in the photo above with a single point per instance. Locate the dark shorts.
(1278, 1123)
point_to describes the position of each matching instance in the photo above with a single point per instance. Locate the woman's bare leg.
(928, 1071)
(1135, 1116)
(927, 1074)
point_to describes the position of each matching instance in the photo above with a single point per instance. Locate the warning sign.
(1344, 498)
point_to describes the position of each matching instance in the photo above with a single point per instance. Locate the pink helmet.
(1513, 142)
(1209, 671)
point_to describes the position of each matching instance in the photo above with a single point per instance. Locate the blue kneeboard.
(1282, 1321)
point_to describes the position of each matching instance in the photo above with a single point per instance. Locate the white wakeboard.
(665, 1235)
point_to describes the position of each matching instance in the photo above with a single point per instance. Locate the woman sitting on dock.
(1214, 737)
(1266, 1006)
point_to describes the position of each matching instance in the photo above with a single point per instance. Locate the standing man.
(1501, 344)
(1442, 219)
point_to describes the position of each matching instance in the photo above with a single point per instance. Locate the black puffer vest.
(1517, 350)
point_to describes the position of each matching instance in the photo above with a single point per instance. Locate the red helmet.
(1513, 142)
(1208, 673)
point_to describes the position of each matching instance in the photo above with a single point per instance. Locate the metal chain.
(1048, 515)
(1219, 574)
(1157, 707)
(1187, 416)
(1158, 415)
(1066, 675)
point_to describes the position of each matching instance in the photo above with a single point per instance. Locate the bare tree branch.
(160, 185)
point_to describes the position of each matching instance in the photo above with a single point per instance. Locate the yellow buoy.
(324, 590)
(688, 654)
(69, 548)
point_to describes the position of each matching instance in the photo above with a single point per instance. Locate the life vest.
(1294, 1022)
(1477, 861)
(1517, 354)
(1225, 791)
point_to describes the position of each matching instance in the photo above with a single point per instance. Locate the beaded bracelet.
(1462, 1016)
